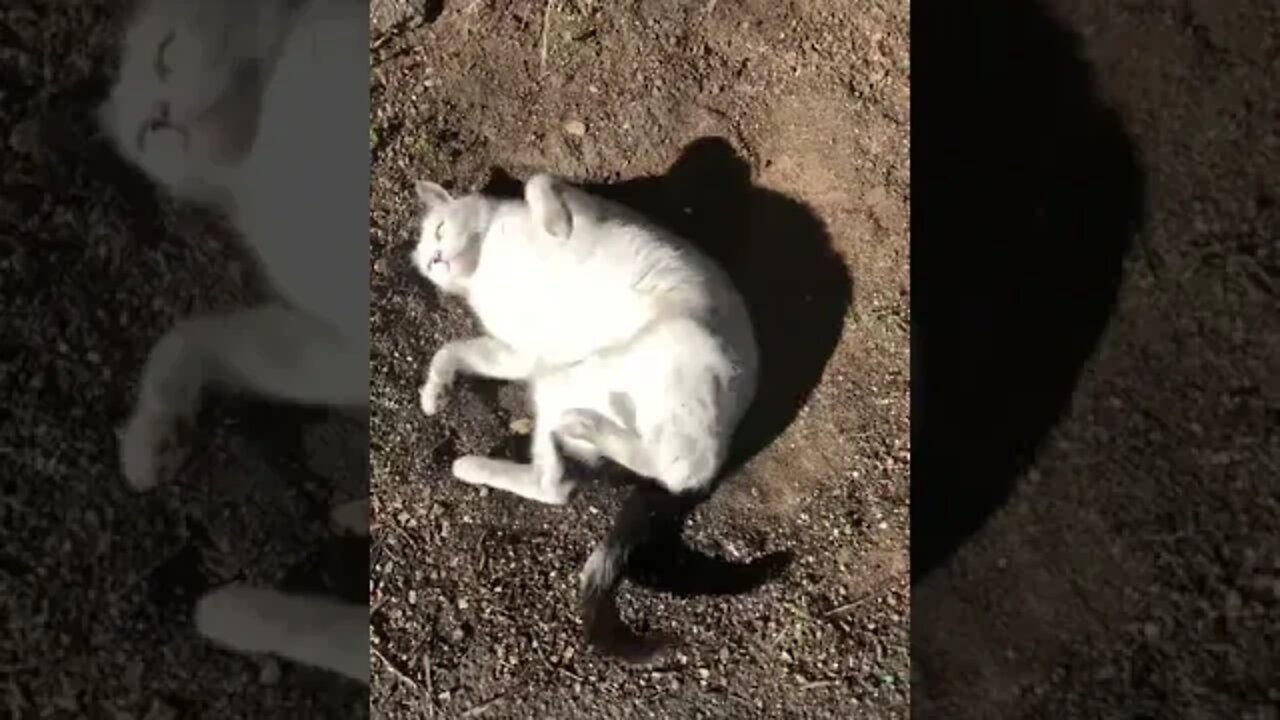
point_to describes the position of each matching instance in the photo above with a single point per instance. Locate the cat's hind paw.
(153, 447)
(353, 517)
(473, 469)
(234, 616)
(580, 425)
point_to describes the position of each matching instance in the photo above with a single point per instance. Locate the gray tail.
(643, 512)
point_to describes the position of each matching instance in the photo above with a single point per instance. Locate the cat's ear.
(431, 195)
(545, 198)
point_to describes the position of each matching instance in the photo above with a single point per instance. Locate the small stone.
(577, 128)
(1233, 604)
(463, 604)
(704, 673)
(522, 426)
(160, 711)
(380, 266)
(24, 139)
(413, 597)
(269, 673)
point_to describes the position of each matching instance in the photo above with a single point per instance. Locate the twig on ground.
(484, 707)
(873, 593)
(546, 31)
(397, 671)
(431, 693)
(815, 684)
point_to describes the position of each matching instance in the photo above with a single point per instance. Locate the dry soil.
(773, 134)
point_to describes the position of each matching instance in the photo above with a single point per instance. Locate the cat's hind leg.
(542, 480)
(622, 445)
(314, 630)
(271, 350)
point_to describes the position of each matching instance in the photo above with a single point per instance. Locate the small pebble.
(160, 711)
(24, 139)
(269, 673)
(577, 128)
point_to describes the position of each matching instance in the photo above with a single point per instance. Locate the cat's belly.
(317, 264)
(558, 324)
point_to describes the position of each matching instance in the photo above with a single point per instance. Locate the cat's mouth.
(159, 120)
(438, 259)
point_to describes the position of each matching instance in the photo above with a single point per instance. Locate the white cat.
(260, 109)
(302, 210)
(635, 346)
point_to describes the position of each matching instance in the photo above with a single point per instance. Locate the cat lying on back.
(260, 109)
(310, 237)
(635, 347)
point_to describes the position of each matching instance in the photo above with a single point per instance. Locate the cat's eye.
(162, 65)
(439, 228)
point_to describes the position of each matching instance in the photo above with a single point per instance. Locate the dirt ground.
(775, 135)
(96, 582)
(1117, 267)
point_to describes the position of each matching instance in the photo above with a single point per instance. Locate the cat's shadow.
(799, 292)
(1027, 195)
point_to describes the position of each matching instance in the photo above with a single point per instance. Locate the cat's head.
(180, 104)
(451, 232)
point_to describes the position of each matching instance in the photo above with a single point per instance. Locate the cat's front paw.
(153, 447)
(431, 397)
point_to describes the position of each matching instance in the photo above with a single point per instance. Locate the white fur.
(297, 193)
(309, 629)
(265, 110)
(636, 347)
(313, 630)
(198, 69)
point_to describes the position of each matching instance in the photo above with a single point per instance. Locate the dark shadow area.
(1026, 197)
(780, 257)
(431, 10)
